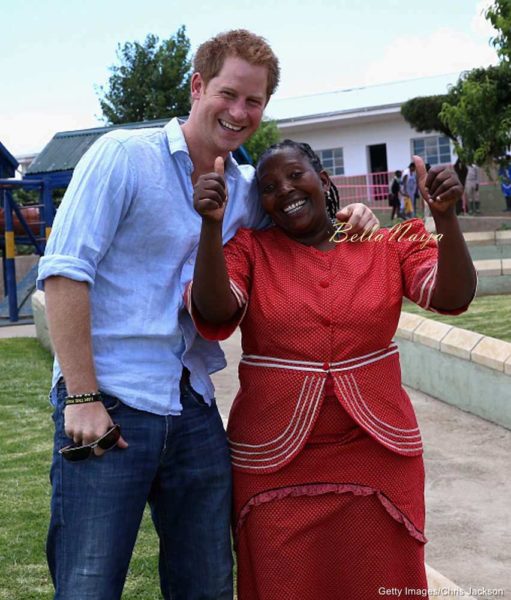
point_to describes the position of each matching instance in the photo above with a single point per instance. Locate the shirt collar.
(175, 137)
(177, 143)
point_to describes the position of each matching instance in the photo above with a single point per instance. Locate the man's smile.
(230, 126)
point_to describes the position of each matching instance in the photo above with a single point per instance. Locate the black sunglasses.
(106, 442)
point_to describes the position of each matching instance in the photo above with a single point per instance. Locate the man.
(122, 248)
(409, 190)
(394, 193)
(472, 190)
(505, 181)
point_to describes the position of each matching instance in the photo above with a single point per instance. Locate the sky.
(55, 55)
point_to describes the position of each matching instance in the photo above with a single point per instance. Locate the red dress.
(327, 456)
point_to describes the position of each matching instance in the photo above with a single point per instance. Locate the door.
(378, 171)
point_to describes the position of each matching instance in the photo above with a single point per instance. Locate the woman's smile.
(294, 207)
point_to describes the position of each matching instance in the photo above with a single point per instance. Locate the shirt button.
(326, 322)
(326, 366)
(324, 283)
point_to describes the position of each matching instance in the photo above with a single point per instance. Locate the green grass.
(26, 431)
(489, 315)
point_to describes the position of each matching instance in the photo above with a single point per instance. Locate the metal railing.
(373, 188)
(20, 229)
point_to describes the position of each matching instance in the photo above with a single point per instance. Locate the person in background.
(505, 182)
(394, 195)
(409, 190)
(472, 190)
(325, 447)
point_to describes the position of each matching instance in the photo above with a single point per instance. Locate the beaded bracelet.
(83, 398)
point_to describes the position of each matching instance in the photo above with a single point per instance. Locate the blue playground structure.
(52, 169)
(16, 230)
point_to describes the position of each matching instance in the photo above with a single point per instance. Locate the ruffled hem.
(318, 489)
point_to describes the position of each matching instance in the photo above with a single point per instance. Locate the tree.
(266, 135)
(423, 114)
(476, 112)
(499, 15)
(480, 116)
(151, 82)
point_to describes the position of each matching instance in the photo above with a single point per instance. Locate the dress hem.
(318, 489)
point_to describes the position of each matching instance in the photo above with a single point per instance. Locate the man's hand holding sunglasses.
(92, 430)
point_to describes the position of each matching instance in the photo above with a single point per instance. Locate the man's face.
(229, 109)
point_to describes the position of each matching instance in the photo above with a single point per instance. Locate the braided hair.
(332, 194)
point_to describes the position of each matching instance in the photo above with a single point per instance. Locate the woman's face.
(293, 193)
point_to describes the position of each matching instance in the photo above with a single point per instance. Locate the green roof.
(66, 148)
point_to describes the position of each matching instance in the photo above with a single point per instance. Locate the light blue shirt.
(128, 228)
(411, 185)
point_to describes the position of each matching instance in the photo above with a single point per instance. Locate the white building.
(360, 131)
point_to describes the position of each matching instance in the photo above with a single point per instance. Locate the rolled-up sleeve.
(96, 201)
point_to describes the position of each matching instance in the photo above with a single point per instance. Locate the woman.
(326, 453)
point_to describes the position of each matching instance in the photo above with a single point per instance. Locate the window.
(434, 150)
(332, 160)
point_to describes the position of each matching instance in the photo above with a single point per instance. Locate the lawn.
(489, 315)
(26, 431)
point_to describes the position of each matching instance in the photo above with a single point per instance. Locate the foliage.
(479, 114)
(476, 112)
(423, 114)
(499, 15)
(151, 82)
(25, 197)
(266, 135)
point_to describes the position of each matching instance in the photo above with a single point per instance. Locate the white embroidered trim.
(372, 416)
(287, 453)
(238, 293)
(428, 284)
(317, 367)
(368, 423)
(293, 418)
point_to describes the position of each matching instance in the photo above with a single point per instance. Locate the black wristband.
(83, 398)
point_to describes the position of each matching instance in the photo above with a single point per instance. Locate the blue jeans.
(181, 466)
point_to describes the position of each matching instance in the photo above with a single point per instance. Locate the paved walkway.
(468, 491)
(10, 331)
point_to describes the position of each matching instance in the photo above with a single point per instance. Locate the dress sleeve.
(418, 255)
(238, 254)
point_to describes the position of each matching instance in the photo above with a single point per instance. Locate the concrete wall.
(41, 324)
(460, 367)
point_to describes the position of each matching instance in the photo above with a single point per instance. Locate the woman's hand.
(359, 217)
(440, 187)
(210, 194)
